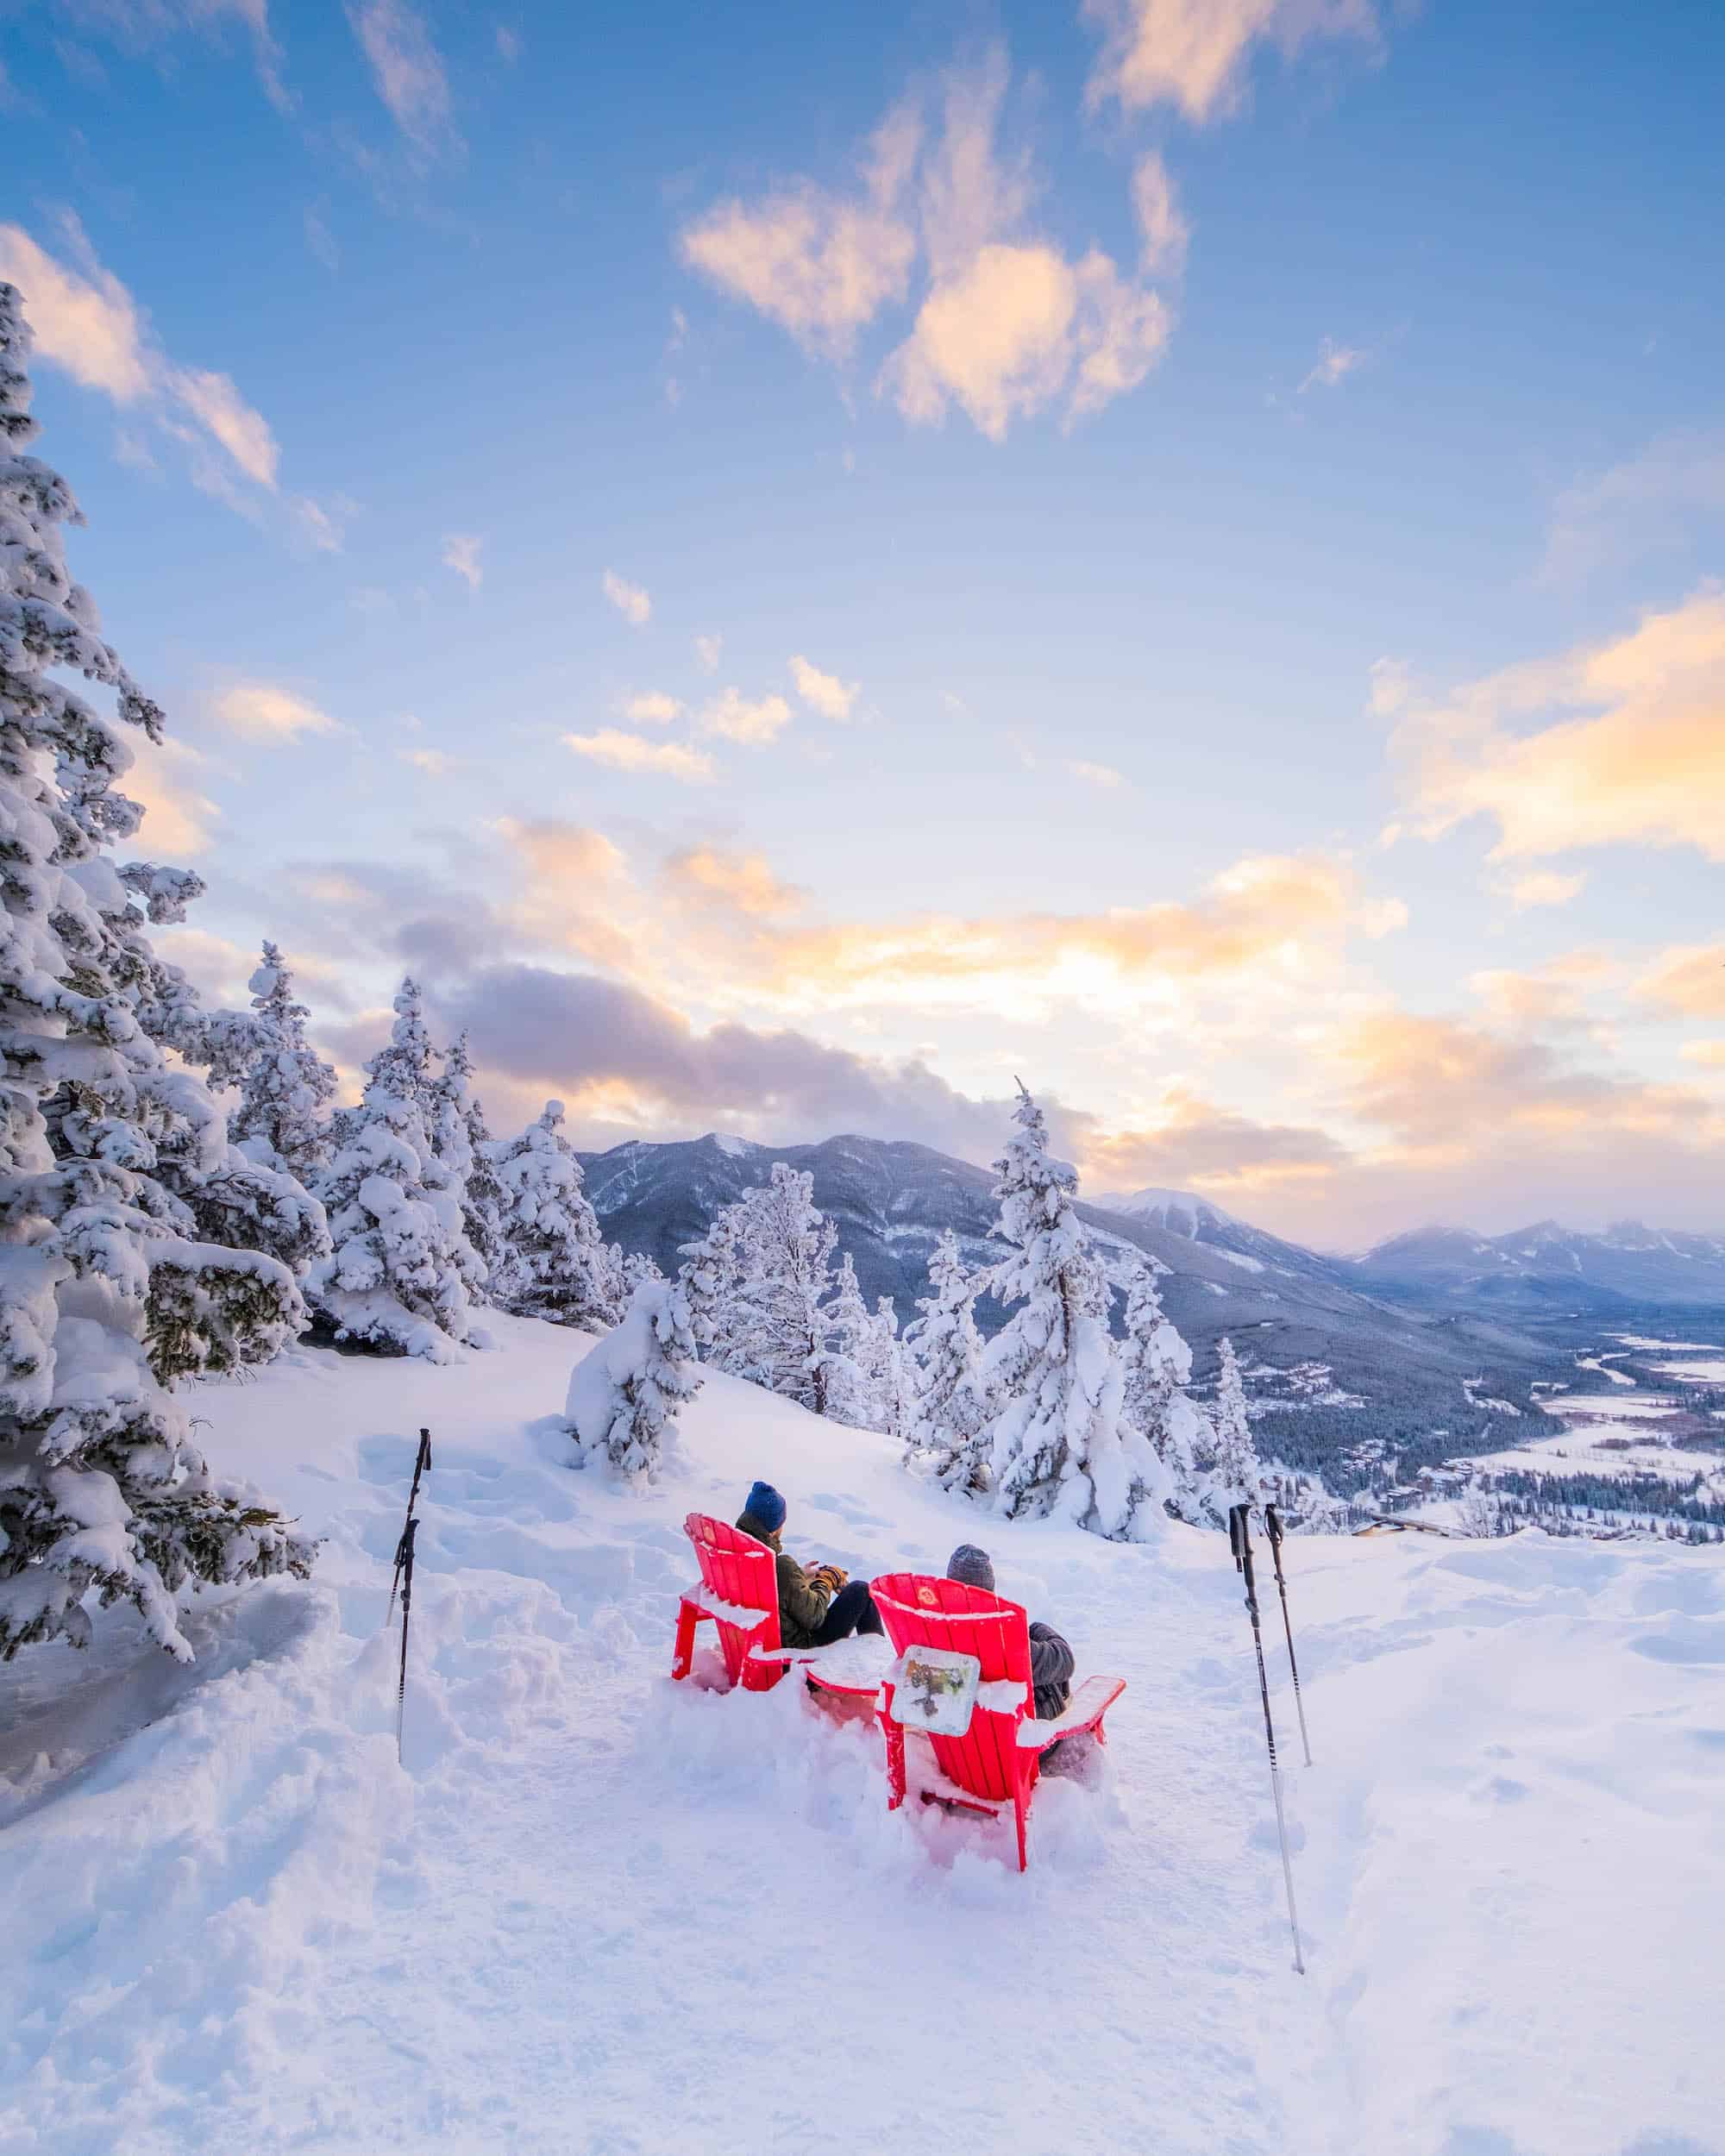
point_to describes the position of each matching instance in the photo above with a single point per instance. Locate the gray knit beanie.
(972, 1566)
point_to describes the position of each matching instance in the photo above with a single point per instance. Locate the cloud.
(1687, 981)
(654, 709)
(408, 73)
(1271, 918)
(631, 600)
(614, 1052)
(1166, 233)
(1022, 328)
(823, 693)
(179, 819)
(220, 410)
(707, 649)
(89, 325)
(1192, 53)
(322, 525)
(734, 717)
(1676, 484)
(1007, 325)
(1010, 325)
(320, 241)
(139, 24)
(1711, 1055)
(1230, 1155)
(462, 554)
(84, 320)
(1335, 362)
(1647, 767)
(1541, 886)
(1099, 774)
(744, 882)
(508, 43)
(432, 761)
(259, 711)
(821, 264)
(628, 752)
(1553, 995)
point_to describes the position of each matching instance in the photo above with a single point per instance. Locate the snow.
(598, 1914)
(1599, 1363)
(1696, 1373)
(1238, 1257)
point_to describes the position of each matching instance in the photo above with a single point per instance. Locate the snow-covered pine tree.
(888, 1370)
(1228, 1469)
(1158, 1365)
(773, 1328)
(849, 1355)
(943, 1353)
(558, 1265)
(626, 1389)
(396, 1277)
(711, 1275)
(281, 1120)
(107, 1296)
(1052, 1382)
(464, 1144)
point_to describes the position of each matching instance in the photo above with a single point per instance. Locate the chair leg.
(1021, 1809)
(895, 1757)
(687, 1618)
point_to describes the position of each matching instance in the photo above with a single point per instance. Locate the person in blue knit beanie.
(816, 1607)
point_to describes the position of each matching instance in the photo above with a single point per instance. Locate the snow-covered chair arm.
(1092, 1700)
(724, 1612)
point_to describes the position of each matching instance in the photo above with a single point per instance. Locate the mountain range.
(1395, 1345)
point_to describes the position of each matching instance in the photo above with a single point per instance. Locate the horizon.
(791, 581)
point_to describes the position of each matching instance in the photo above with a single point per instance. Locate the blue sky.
(796, 563)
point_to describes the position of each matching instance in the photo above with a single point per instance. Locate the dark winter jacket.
(802, 1602)
(1051, 1664)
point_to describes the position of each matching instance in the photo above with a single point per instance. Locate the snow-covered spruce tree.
(627, 1388)
(107, 1296)
(396, 1277)
(462, 1141)
(774, 1331)
(888, 1370)
(1158, 1365)
(282, 1120)
(943, 1352)
(558, 1265)
(711, 1277)
(1052, 1382)
(848, 1355)
(1226, 1466)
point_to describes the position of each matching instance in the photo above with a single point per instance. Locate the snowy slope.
(600, 1915)
(1548, 1266)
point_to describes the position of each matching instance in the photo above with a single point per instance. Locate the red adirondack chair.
(997, 1760)
(739, 1592)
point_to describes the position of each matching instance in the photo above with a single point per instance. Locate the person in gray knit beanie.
(1051, 1661)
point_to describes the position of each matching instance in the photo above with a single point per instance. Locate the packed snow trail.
(598, 1914)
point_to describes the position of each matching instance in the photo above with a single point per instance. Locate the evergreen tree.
(397, 1278)
(887, 1371)
(557, 1265)
(463, 1141)
(626, 1389)
(286, 1087)
(1228, 1469)
(107, 1295)
(772, 1327)
(712, 1278)
(1157, 1366)
(458, 1138)
(848, 1354)
(943, 1352)
(1051, 1381)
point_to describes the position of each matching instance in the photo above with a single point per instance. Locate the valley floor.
(598, 1914)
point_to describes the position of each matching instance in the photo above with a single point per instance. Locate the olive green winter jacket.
(802, 1602)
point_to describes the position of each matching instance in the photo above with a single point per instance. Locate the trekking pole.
(420, 1464)
(404, 1565)
(1239, 1537)
(1272, 1521)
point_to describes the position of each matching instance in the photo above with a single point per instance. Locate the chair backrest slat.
(919, 1611)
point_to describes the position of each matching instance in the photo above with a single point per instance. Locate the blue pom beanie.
(766, 1505)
